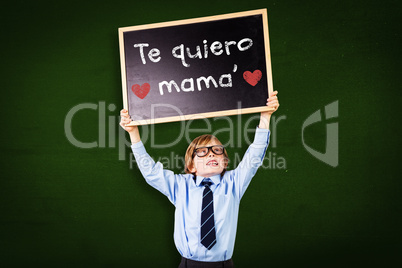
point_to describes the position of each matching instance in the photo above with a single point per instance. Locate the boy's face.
(210, 164)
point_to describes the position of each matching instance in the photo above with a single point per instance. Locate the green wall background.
(65, 206)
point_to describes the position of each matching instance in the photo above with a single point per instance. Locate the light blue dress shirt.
(186, 194)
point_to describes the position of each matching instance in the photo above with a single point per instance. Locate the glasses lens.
(217, 149)
(201, 151)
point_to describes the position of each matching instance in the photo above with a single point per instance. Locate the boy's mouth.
(212, 163)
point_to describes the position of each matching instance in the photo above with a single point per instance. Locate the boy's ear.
(226, 162)
(192, 169)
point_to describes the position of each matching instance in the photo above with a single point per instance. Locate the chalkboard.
(196, 68)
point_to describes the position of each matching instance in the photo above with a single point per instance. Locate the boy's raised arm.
(132, 130)
(273, 103)
(163, 180)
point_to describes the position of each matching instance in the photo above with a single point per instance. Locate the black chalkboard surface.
(196, 68)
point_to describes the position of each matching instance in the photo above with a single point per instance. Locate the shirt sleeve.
(161, 179)
(251, 161)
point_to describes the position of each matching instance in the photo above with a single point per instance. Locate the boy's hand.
(132, 130)
(124, 120)
(273, 104)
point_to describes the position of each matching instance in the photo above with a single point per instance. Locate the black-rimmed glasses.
(203, 151)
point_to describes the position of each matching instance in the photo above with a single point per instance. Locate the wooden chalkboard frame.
(268, 74)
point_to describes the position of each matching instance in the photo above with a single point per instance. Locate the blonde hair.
(199, 142)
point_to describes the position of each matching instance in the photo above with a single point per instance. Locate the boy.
(207, 198)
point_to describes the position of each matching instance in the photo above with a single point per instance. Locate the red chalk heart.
(141, 91)
(252, 77)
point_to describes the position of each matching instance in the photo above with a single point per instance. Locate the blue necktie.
(208, 237)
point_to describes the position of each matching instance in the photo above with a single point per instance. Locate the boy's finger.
(125, 115)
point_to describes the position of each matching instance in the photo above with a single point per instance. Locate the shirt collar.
(216, 179)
